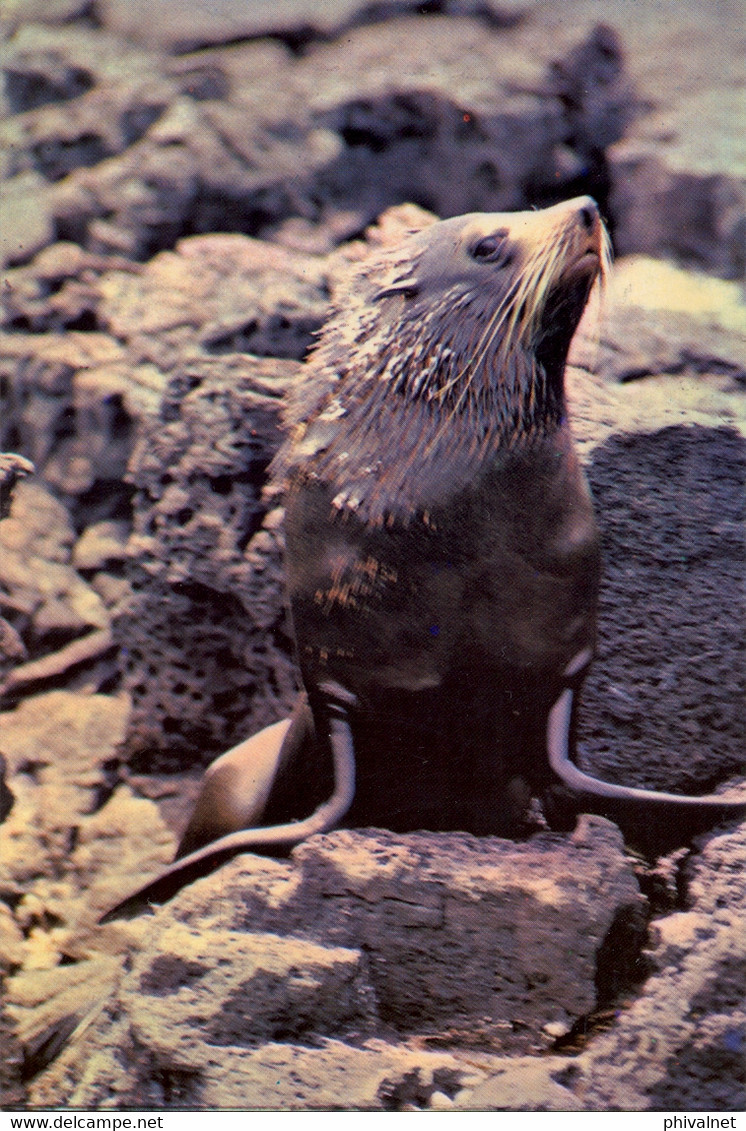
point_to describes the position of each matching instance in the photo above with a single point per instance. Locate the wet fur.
(442, 556)
(451, 367)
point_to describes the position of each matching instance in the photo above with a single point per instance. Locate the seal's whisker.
(441, 554)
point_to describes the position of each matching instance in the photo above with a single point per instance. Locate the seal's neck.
(486, 387)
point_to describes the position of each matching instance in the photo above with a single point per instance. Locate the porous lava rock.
(73, 401)
(662, 706)
(45, 599)
(299, 132)
(204, 640)
(690, 1020)
(129, 150)
(342, 956)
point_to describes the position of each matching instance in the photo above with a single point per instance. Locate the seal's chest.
(504, 575)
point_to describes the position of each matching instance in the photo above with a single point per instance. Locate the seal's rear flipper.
(653, 821)
(275, 840)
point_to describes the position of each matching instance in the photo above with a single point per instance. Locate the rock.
(716, 876)
(100, 545)
(39, 525)
(19, 12)
(11, 941)
(79, 95)
(12, 468)
(522, 1084)
(57, 746)
(677, 726)
(92, 648)
(681, 1041)
(170, 26)
(485, 939)
(234, 294)
(205, 644)
(277, 1077)
(12, 649)
(679, 177)
(484, 103)
(153, 147)
(65, 1001)
(247, 989)
(73, 400)
(50, 602)
(647, 714)
(25, 217)
(678, 1046)
(439, 1101)
(660, 319)
(37, 72)
(445, 921)
(58, 291)
(228, 21)
(457, 113)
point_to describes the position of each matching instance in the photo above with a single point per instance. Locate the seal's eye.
(493, 248)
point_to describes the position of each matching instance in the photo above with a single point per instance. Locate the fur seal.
(442, 556)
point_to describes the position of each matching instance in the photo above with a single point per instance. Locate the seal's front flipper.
(653, 821)
(235, 788)
(336, 704)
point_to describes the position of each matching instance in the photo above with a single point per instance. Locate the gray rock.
(12, 468)
(17, 13)
(46, 597)
(678, 1045)
(522, 1084)
(246, 989)
(681, 1042)
(252, 983)
(57, 746)
(176, 27)
(679, 176)
(661, 706)
(716, 874)
(459, 113)
(74, 402)
(12, 649)
(100, 545)
(228, 293)
(25, 217)
(447, 921)
(205, 643)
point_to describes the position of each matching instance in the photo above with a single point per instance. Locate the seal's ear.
(406, 290)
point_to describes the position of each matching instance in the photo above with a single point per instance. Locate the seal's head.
(462, 332)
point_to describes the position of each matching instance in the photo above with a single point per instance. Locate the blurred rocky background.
(180, 184)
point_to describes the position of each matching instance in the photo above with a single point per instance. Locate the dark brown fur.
(442, 555)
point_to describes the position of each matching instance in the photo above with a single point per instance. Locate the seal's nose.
(587, 212)
(581, 211)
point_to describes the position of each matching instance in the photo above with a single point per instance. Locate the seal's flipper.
(241, 785)
(272, 839)
(676, 817)
(235, 789)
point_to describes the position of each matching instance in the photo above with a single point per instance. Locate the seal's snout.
(582, 219)
(588, 216)
(584, 210)
(578, 221)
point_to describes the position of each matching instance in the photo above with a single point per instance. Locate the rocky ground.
(178, 195)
